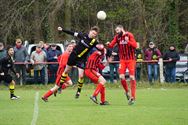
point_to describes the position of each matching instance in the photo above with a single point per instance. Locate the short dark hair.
(95, 28)
(9, 47)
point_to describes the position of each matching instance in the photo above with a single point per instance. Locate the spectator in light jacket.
(38, 56)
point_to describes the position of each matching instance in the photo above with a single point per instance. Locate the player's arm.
(76, 34)
(131, 40)
(112, 43)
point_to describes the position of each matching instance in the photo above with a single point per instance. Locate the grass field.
(154, 106)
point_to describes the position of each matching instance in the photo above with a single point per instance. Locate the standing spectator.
(3, 52)
(152, 54)
(6, 64)
(52, 55)
(172, 56)
(112, 53)
(21, 55)
(139, 59)
(45, 48)
(186, 50)
(126, 45)
(38, 56)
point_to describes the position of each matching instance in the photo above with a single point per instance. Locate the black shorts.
(74, 60)
(6, 78)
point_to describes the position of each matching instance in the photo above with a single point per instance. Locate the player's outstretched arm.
(76, 34)
(60, 29)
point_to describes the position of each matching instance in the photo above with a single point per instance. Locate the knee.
(132, 77)
(122, 76)
(102, 80)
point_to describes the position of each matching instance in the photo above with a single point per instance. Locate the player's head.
(93, 32)
(10, 51)
(69, 47)
(100, 47)
(119, 30)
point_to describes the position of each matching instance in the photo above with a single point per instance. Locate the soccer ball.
(101, 15)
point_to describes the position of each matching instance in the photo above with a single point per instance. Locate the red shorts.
(130, 64)
(58, 78)
(92, 75)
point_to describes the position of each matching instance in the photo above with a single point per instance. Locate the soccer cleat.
(94, 99)
(44, 99)
(105, 103)
(59, 90)
(13, 97)
(127, 95)
(77, 95)
(131, 101)
(55, 93)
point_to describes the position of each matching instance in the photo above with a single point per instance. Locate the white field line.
(36, 109)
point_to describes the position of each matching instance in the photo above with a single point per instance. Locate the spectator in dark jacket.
(152, 54)
(3, 52)
(139, 59)
(170, 67)
(52, 55)
(113, 53)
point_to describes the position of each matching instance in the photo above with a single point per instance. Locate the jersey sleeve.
(101, 66)
(132, 40)
(113, 42)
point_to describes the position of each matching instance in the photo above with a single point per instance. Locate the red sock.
(64, 86)
(98, 89)
(133, 88)
(125, 86)
(103, 94)
(49, 93)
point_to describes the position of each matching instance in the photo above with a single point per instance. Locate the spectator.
(3, 52)
(20, 55)
(74, 72)
(38, 56)
(139, 58)
(152, 54)
(52, 55)
(186, 50)
(170, 67)
(45, 48)
(112, 53)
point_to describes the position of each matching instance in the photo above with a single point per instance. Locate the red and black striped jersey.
(126, 45)
(95, 61)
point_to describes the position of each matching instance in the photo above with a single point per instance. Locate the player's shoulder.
(129, 34)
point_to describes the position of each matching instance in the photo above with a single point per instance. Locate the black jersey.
(84, 45)
(6, 64)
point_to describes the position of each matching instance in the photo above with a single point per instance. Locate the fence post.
(161, 75)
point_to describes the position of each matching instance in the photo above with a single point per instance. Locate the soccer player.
(62, 60)
(126, 45)
(6, 64)
(94, 63)
(80, 52)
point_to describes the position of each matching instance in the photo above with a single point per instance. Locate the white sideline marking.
(36, 109)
